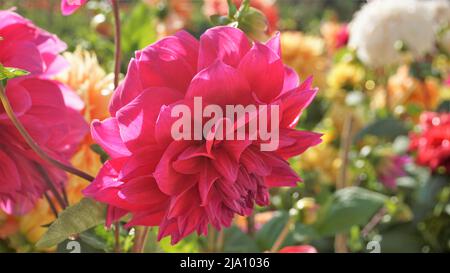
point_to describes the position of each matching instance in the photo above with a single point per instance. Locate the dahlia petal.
(282, 175)
(19, 98)
(107, 134)
(169, 62)
(137, 119)
(274, 43)
(264, 72)
(225, 166)
(227, 44)
(141, 162)
(220, 84)
(113, 215)
(70, 6)
(150, 218)
(206, 180)
(9, 173)
(169, 180)
(294, 142)
(31, 62)
(254, 163)
(142, 191)
(129, 89)
(235, 148)
(106, 178)
(293, 104)
(291, 79)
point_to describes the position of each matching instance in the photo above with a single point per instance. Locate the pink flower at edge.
(47, 109)
(25, 46)
(392, 168)
(298, 249)
(68, 7)
(183, 186)
(342, 36)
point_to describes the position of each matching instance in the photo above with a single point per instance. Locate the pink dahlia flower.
(391, 168)
(182, 186)
(48, 110)
(50, 114)
(25, 46)
(70, 6)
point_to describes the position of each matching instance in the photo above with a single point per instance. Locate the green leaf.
(7, 73)
(99, 150)
(268, 234)
(444, 107)
(73, 220)
(237, 241)
(401, 239)
(388, 129)
(348, 207)
(231, 9)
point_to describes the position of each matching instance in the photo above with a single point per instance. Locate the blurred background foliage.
(358, 205)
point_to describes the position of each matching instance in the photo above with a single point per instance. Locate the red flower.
(432, 144)
(298, 249)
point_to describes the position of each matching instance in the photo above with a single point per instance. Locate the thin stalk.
(376, 219)
(117, 41)
(140, 239)
(283, 234)
(51, 186)
(50, 203)
(220, 241)
(30, 141)
(340, 241)
(251, 224)
(117, 247)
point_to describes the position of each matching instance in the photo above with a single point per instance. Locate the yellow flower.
(322, 159)
(32, 224)
(344, 75)
(305, 54)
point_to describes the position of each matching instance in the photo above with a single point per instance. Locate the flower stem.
(117, 247)
(62, 203)
(283, 234)
(117, 41)
(140, 239)
(52, 206)
(30, 141)
(340, 241)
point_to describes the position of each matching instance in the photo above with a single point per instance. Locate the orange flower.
(405, 89)
(8, 225)
(260, 219)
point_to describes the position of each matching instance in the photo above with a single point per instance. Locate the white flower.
(381, 24)
(439, 10)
